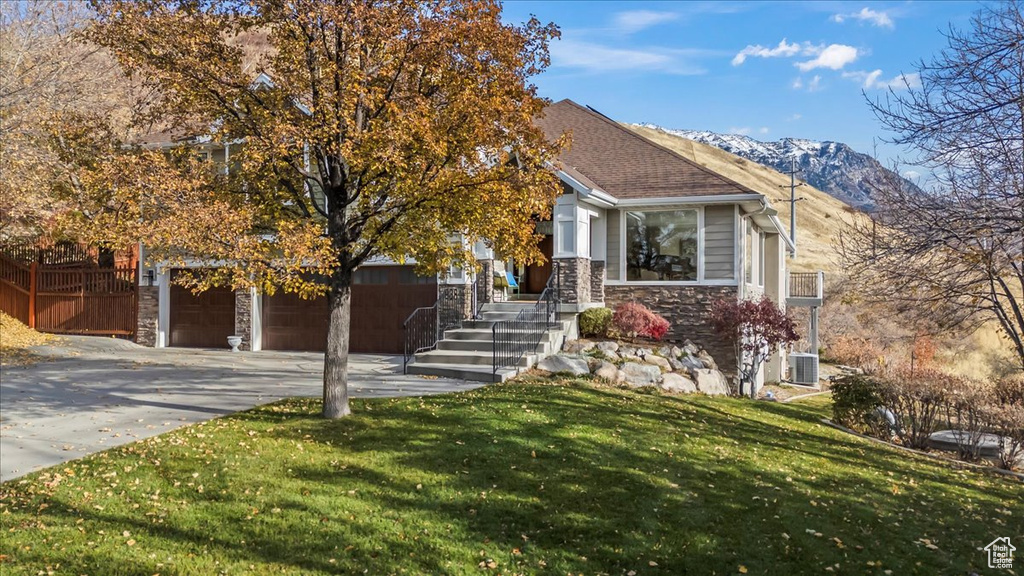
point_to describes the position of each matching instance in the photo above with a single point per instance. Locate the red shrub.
(633, 319)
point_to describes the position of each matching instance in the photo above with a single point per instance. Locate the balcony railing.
(810, 285)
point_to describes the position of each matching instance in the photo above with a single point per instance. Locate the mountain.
(832, 167)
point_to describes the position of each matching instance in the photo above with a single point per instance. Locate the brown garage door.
(382, 298)
(204, 320)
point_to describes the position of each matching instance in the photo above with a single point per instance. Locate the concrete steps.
(468, 352)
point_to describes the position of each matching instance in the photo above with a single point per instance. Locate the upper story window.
(661, 245)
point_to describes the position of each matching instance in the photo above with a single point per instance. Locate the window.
(760, 259)
(370, 276)
(407, 275)
(661, 246)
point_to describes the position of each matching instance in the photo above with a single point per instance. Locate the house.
(636, 222)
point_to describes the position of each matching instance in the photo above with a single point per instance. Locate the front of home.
(636, 222)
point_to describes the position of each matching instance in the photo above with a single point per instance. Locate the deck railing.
(806, 285)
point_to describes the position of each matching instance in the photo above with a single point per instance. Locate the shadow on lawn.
(579, 478)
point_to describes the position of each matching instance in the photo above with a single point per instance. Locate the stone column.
(574, 280)
(149, 313)
(597, 280)
(243, 318)
(486, 280)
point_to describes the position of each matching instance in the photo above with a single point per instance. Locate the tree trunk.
(339, 300)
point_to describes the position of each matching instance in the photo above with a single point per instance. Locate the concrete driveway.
(93, 393)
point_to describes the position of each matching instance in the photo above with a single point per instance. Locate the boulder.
(576, 346)
(657, 361)
(691, 363)
(636, 374)
(677, 384)
(707, 360)
(593, 363)
(608, 347)
(562, 363)
(611, 356)
(677, 365)
(607, 371)
(644, 352)
(711, 382)
(690, 348)
(628, 352)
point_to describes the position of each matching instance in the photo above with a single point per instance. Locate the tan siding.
(719, 243)
(614, 245)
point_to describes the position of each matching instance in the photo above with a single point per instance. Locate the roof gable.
(624, 163)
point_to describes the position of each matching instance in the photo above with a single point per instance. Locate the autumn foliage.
(758, 327)
(636, 320)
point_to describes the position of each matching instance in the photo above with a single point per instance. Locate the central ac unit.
(803, 368)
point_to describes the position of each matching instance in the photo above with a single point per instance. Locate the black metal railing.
(514, 338)
(425, 326)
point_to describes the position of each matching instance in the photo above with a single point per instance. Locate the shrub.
(855, 401)
(967, 407)
(917, 399)
(595, 322)
(1006, 417)
(756, 327)
(636, 320)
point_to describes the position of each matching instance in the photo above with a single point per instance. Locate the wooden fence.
(63, 299)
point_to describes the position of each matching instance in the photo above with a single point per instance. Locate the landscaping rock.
(677, 384)
(636, 374)
(658, 361)
(607, 371)
(691, 364)
(594, 363)
(576, 346)
(707, 360)
(561, 363)
(677, 365)
(644, 352)
(628, 352)
(608, 346)
(690, 348)
(711, 382)
(612, 356)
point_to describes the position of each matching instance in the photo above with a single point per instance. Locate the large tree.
(955, 253)
(357, 129)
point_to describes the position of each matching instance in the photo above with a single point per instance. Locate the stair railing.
(426, 326)
(514, 338)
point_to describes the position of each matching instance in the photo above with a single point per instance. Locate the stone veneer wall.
(486, 276)
(597, 280)
(574, 279)
(243, 318)
(149, 312)
(688, 308)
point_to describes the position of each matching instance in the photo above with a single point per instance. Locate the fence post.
(33, 273)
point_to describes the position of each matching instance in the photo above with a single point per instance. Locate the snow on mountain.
(832, 167)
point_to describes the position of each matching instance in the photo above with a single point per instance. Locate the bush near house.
(596, 322)
(924, 401)
(636, 320)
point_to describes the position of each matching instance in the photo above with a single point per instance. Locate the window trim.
(624, 233)
(761, 259)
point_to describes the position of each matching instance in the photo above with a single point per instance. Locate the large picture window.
(661, 246)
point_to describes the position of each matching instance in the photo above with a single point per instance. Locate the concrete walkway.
(93, 393)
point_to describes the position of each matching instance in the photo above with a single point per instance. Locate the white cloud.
(912, 174)
(784, 50)
(744, 131)
(873, 80)
(798, 83)
(593, 57)
(869, 16)
(815, 84)
(794, 117)
(636, 20)
(762, 130)
(833, 57)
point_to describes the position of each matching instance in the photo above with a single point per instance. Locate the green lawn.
(515, 478)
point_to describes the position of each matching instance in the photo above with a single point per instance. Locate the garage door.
(201, 321)
(382, 298)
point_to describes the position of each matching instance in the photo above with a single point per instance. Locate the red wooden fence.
(61, 299)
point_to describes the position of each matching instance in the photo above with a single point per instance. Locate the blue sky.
(766, 69)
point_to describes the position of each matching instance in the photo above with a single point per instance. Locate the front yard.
(515, 478)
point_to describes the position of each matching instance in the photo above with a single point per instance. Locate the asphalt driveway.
(93, 393)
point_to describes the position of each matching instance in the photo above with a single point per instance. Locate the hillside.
(820, 216)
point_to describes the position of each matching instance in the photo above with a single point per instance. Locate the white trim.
(256, 316)
(723, 199)
(163, 315)
(700, 245)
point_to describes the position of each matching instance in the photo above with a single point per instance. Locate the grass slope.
(515, 478)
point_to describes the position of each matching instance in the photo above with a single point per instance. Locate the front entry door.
(536, 276)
